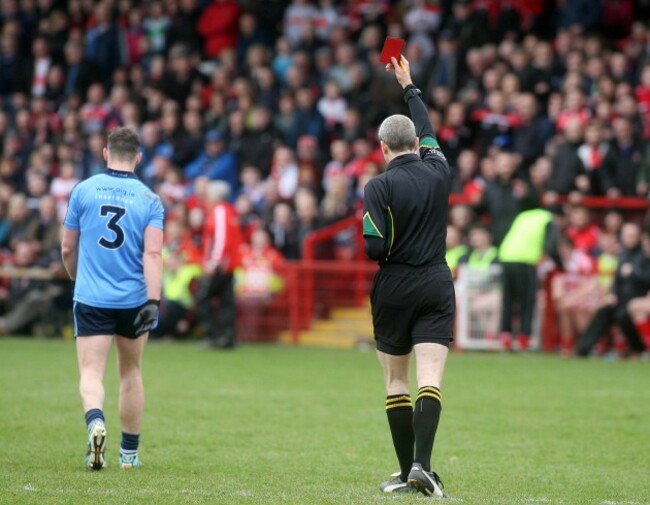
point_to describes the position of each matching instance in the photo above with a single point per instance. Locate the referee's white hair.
(218, 191)
(398, 133)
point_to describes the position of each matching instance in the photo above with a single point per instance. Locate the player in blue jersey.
(111, 247)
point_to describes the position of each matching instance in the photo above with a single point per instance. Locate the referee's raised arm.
(418, 110)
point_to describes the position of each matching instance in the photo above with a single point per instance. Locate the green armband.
(429, 143)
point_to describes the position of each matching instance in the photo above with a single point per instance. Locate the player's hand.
(402, 70)
(147, 318)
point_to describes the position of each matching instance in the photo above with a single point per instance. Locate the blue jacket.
(222, 167)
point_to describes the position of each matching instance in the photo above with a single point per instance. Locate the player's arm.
(375, 209)
(152, 261)
(70, 251)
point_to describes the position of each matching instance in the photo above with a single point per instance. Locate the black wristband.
(410, 91)
(157, 302)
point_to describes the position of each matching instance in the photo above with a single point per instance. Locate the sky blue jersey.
(111, 211)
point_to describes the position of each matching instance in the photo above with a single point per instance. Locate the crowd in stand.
(532, 100)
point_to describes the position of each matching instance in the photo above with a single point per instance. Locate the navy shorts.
(412, 305)
(89, 321)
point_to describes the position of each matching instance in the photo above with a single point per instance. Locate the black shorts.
(411, 306)
(90, 321)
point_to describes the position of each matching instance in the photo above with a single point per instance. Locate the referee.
(413, 301)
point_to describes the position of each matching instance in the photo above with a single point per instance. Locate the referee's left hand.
(147, 318)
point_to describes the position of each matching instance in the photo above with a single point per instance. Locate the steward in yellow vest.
(531, 234)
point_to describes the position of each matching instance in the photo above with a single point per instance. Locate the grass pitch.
(281, 425)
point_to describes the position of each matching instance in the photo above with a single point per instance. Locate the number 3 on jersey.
(116, 213)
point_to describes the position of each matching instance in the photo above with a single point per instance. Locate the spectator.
(257, 279)
(532, 234)
(252, 186)
(189, 139)
(567, 166)
(183, 26)
(574, 293)
(298, 16)
(180, 271)
(23, 222)
(14, 70)
(156, 25)
(216, 162)
(307, 214)
(178, 80)
(105, 43)
(534, 131)
(337, 202)
(454, 135)
(41, 62)
(445, 69)
(62, 185)
(455, 249)
(592, 153)
(505, 196)
(467, 26)
(283, 231)
(48, 232)
(632, 281)
(284, 170)
(581, 231)
(467, 183)
(95, 111)
(309, 120)
(332, 105)
(218, 27)
(485, 303)
(222, 242)
(263, 138)
(622, 163)
(27, 300)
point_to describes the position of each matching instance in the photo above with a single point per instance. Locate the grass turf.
(281, 425)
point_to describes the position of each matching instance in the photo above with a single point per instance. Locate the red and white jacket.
(222, 239)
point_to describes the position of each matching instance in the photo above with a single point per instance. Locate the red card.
(392, 48)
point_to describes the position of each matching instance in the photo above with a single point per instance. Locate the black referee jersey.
(406, 206)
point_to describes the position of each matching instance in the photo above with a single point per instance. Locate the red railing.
(627, 203)
(317, 283)
(311, 263)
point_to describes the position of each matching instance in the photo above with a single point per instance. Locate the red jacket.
(222, 238)
(218, 26)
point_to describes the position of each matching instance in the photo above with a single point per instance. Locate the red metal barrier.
(628, 203)
(317, 283)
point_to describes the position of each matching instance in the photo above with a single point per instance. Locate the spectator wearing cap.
(215, 162)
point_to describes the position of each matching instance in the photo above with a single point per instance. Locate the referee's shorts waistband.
(405, 267)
